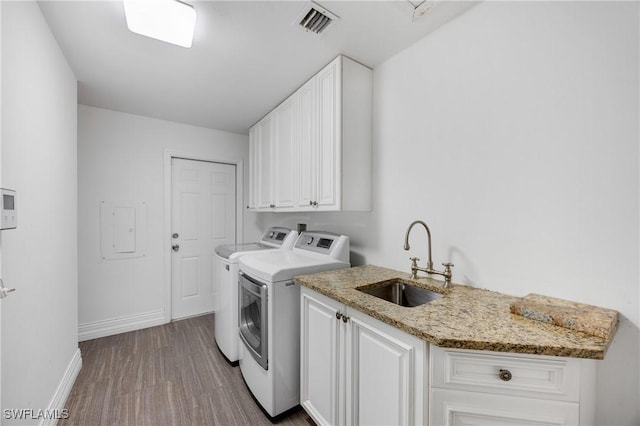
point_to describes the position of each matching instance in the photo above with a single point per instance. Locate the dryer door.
(253, 317)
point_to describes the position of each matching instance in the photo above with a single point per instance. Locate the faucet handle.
(447, 274)
(447, 271)
(414, 267)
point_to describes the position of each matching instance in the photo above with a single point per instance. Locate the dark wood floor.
(168, 375)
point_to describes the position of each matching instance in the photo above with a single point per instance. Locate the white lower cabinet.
(493, 388)
(458, 408)
(356, 369)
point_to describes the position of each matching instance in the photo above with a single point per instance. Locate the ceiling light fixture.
(171, 21)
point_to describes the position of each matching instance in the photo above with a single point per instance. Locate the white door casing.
(203, 215)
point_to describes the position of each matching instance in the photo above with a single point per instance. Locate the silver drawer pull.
(505, 375)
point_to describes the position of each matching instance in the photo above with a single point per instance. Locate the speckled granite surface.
(592, 320)
(465, 317)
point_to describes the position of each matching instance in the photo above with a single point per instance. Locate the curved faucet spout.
(429, 269)
(406, 240)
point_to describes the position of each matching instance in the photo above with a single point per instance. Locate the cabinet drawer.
(522, 375)
(459, 408)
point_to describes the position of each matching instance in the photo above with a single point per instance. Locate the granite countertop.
(466, 317)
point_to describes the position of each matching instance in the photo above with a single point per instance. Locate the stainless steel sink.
(401, 293)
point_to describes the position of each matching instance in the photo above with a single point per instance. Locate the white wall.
(1, 406)
(39, 258)
(121, 158)
(513, 132)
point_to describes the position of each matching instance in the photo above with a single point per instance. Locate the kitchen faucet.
(429, 269)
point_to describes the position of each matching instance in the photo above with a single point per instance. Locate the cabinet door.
(457, 408)
(264, 148)
(329, 138)
(319, 358)
(253, 167)
(283, 155)
(385, 369)
(306, 147)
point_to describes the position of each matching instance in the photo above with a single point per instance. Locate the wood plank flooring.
(172, 374)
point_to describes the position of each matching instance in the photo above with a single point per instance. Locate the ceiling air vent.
(315, 19)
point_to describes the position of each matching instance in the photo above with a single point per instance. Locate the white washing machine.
(269, 307)
(227, 257)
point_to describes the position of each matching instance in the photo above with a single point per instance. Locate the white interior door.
(203, 216)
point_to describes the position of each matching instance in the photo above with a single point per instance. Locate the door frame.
(166, 240)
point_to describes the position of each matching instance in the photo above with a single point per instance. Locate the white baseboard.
(57, 404)
(109, 327)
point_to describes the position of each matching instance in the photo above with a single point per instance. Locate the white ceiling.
(247, 56)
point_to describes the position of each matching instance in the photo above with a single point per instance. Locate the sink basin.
(401, 293)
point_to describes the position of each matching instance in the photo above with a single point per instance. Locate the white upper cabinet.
(253, 168)
(328, 143)
(305, 157)
(320, 147)
(261, 152)
(284, 154)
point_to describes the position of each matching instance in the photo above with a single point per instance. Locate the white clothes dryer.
(227, 258)
(269, 308)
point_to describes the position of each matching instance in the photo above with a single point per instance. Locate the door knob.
(175, 247)
(4, 292)
(174, 235)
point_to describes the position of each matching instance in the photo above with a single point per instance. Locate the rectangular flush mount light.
(168, 20)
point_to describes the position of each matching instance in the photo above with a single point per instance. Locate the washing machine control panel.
(276, 235)
(317, 241)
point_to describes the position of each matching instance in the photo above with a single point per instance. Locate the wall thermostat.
(8, 209)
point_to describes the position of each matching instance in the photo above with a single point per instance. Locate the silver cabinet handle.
(175, 247)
